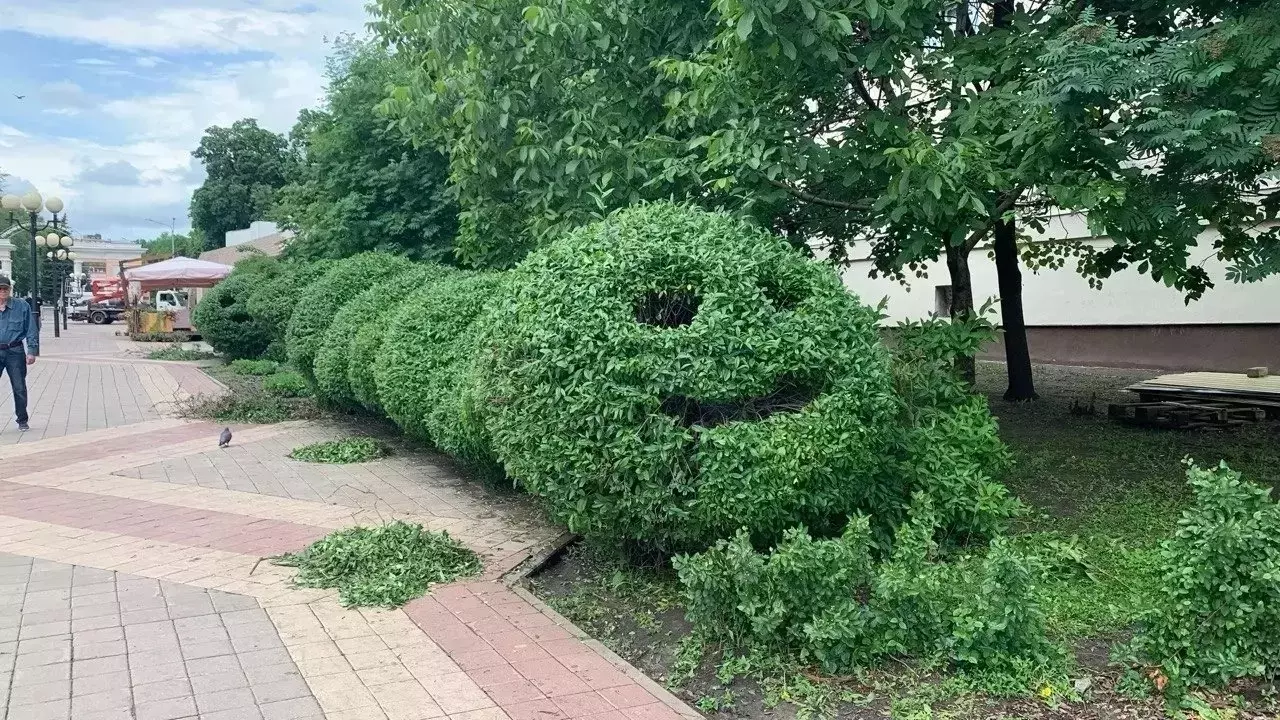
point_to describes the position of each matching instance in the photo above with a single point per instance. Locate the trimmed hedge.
(275, 300)
(672, 375)
(423, 368)
(223, 316)
(336, 360)
(321, 300)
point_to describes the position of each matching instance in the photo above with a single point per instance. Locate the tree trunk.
(1016, 351)
(1017, 354)
(962, 303)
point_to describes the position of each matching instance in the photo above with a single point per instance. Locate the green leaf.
(745, 23)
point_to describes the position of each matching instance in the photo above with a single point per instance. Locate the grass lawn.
(1102, 496)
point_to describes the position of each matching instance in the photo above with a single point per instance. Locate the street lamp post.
(173, 226)
(33, 204)
(59, 251)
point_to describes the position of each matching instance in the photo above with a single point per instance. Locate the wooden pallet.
(1185, 414)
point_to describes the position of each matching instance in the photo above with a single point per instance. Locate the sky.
(116, 95)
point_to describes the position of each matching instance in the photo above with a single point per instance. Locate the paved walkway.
(132, 586)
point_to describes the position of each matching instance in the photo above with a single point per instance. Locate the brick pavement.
(131, 581)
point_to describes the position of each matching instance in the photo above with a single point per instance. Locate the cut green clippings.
(350, 450)
(177, 352)
(385, 566)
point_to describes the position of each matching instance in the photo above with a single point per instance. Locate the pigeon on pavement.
(225, 438)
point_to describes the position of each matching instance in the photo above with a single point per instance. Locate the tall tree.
(246, 165)
(921, 129)
(548, 111)
(362, 184)
(189, 245)
(1189, 93)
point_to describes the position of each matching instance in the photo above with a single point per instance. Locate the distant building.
(256, 231)
(270, 245)
(1133, 321)
(94, 255)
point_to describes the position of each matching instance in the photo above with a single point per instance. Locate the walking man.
(19, 345)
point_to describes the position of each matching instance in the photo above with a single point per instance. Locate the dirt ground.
(1079, 472)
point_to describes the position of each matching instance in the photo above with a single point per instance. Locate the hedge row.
(668, 376)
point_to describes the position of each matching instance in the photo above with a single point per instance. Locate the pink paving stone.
(450, 593)
(513, 693)
(627, 696)
(477, 659)
(456, 643)
(611, 715)
(526, 653)
(552, 678)
(490, 628)
(512, 640)
(480, 614)
(583, 704)
(530, 620)
(653, 711)
(153, 521)
(495, 675)
(487, 588)
(562, 647)
(52, 459)
(535, 710)
(550, 632)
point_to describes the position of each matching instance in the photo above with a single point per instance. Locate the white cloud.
(64, 98)
(147, 138)
(228, 26)
(271, 91)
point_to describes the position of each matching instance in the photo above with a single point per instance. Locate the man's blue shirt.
(17, 324)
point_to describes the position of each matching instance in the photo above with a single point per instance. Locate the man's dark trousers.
(14, 361)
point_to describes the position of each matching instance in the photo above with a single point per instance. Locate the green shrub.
(244, 366)
(335, 360)
(273, 302)
(351, 450)
(322, 299)
(828, 602)
(949, 445)
(222, 316)
(385, 566)
(423, 370)
(286, 384)
(1217, 614)
(672, 375)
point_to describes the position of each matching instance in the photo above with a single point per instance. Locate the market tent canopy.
(178, 272)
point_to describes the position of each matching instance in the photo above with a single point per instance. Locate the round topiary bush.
(322, 299)
(273, 301)
(671, 375)
(422, 340)
(423, 371)
(336, 360)
(223, 317)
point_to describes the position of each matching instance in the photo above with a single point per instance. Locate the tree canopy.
(189, 245)
(362, 184)
(246, 165)
(918, 128)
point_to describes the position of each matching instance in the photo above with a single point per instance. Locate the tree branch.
(1006, 204)
(816, 200)
(860, 87)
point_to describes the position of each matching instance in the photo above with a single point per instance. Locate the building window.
(942, 300)
(94, 268)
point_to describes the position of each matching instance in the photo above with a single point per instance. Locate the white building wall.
(1063, 298)
(256, 230)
